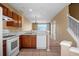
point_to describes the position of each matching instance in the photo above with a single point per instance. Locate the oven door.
(13, 46)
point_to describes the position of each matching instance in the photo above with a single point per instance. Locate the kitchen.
(19, 33)
(30, 29)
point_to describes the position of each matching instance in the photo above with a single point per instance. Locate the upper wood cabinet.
(10, 23)
(20, 20)
(14, 16)
(5, 11)
(9, 13)
(17, 18)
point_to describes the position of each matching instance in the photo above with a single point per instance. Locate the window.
(42, 27)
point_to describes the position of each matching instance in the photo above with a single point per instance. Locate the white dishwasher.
(41, 41)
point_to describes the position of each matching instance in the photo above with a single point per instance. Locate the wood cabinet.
(14, 16)
(9, 13)
(27, 41)
(4, 48)
(10, 23)
(5, 11)
(17, 18)
(19, 21)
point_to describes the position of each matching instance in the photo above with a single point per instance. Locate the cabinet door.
(20, 21)
(14, 16)
(5, 11)
(10, 23)
(33, 41)
(22, 41)
(4, 48)
(9, 13)
(28, 41)
(25, 41)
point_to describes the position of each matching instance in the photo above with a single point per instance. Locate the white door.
(1, 53)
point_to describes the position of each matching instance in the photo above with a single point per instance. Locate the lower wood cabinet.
(27, 41)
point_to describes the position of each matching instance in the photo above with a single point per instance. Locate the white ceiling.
(44, 12)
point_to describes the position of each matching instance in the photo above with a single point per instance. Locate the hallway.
(54, 50)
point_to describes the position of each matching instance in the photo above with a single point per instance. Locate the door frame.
(1, 44)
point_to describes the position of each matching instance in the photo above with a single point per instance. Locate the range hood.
(5, 18)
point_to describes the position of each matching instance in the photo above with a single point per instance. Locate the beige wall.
(61, 26)
(26, 24)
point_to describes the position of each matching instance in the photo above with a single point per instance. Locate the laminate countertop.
(17, 34)
(9, 37)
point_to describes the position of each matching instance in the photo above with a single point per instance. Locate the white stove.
(12, 46)
(12, 41)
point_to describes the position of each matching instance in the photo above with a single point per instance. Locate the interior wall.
(26, 24)
(61, 26)
(74, 10)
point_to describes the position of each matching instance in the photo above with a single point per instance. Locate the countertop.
(17, 34)
(8, 38)
(36, 33)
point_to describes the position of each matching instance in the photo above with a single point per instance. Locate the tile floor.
(54, 51)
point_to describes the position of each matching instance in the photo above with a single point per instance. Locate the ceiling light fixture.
(35, 17)
(30, 10)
